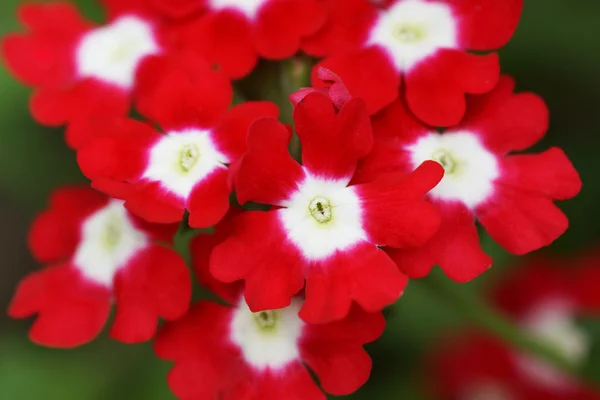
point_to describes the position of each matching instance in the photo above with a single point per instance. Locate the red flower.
(321, 229)
(232, 34)
(511, 195)
(230, 353)
(98, 254)
(422, 42)
(161, 175)
(544, 299)
(80, 70)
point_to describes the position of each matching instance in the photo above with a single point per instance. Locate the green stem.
(479, 312)
(295, 74)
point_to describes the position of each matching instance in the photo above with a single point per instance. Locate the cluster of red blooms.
(408, 138)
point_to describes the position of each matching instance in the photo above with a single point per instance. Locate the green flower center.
(446, 160)
(266, 320)
(112, 233)
(408, 33)
(320, 209)
(188, 157)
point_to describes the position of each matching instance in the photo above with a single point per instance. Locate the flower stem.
(295, 74)
(483, 315)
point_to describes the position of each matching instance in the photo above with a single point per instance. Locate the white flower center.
(247, 7)
(470, 169)
(322, 217)
(412, 30)
(486, 391)
(180, 160)
(267, 339)
(108, 242)
(113, 52)
(552, 322)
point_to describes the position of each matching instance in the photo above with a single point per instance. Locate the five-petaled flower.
(422, 43)
(99, 254)
(159, 175)
(230, 352)
(512, 195)
(80, 70)
(321, 229)
(544, 298)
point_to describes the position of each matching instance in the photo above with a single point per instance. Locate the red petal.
(258, 253)
(111, 188)
(506, 121)
(281, 24)
(521, 221)
(55, 233)
(116, 8)
(71, 310)
(201, 248)
(436, 87)
(84, 101)
(335, 89)
(267, 173)
(155, 204)
(397, 121)
(486, 24)
(209, 201)
(120, 151)
(205, 363)
(358, 327)
(334, 351)
(340, 371)
(178, 9)
(549, 173)
(338, 92)
(393, 128)
(455, 248)
(363, 273)
(293, 383)
(79, 102)
(332, 143)
(44, 57)
(367, 74)
(158, 232)
(394, 212)
(180, 92)
(155, 283)
(347, 27)
(224, 39)
(232, 131)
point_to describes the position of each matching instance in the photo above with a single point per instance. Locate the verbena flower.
(97, 254)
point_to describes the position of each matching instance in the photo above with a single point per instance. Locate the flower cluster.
(545, 298)
(407, 139)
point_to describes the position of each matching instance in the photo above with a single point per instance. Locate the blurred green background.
(555, 53)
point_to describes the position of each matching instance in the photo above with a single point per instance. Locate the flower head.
(322, 230)
(228, 351)
(185, 167)
(98, 253)
(512, 195)
(80, 70)
(420, 43)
